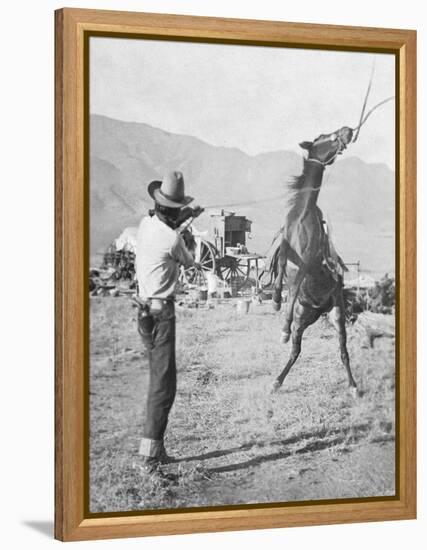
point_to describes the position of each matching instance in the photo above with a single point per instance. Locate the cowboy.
(160, 251)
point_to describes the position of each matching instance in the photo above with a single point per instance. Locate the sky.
(257, 99)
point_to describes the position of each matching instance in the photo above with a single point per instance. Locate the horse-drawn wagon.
(222, 250)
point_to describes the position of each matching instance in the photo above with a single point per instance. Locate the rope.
(268, 199)
(246, 203)
(373, 109)
(257, 201)
(365, 101)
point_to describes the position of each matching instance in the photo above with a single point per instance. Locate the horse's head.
(327, 147)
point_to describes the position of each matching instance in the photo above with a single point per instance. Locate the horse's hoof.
(354, 391)
(276, 305)
(276, 387)
(285, 337)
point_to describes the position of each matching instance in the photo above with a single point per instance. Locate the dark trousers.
(160, 345)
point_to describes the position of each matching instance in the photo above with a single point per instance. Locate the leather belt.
(156, 304)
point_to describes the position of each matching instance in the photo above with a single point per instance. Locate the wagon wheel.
(205, 258)
(234, 271)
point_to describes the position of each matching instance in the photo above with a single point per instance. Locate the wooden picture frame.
(72, 27)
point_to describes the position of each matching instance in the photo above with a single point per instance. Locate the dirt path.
(234, 442)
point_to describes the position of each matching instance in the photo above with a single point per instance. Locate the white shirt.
(160, 251)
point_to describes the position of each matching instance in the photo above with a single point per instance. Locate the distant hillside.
(125, 157)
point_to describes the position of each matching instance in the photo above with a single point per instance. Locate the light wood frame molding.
(71, 342)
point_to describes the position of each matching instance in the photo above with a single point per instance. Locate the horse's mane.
(296, 196)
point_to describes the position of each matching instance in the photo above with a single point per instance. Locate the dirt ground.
(233, 441)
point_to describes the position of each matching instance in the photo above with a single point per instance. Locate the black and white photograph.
(242, 274)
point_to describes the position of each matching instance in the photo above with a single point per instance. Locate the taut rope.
(365, 102)
(247, 203)
(364, 118)
(371, 111)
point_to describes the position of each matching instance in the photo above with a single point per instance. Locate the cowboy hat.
(170, 191)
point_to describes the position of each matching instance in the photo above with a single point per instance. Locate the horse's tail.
(270, 270)
(274, 266)
(292, 297)
(271, 257)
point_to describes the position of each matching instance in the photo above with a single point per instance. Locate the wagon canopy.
(127, 239)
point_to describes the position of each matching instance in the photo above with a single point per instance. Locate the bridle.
(340, 149)
(316, 161)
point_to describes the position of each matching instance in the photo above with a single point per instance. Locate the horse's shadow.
(316, 441)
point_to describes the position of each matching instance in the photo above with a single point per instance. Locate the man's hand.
(189, 240)
(197, 210)
(187, 212)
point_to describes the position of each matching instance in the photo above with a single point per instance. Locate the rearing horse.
(317, 286)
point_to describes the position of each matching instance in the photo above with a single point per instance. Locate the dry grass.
(235, 442)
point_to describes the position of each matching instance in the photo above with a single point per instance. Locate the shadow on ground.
(322, 439)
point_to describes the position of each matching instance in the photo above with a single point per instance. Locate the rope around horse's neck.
(269, 199)
(257, 201)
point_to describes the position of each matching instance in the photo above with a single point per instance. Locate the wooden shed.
(226, 230)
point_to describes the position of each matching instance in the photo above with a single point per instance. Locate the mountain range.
(357, 198)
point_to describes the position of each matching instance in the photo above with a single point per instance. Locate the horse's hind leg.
(304, 316)
(296, 350)
(337, 317)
